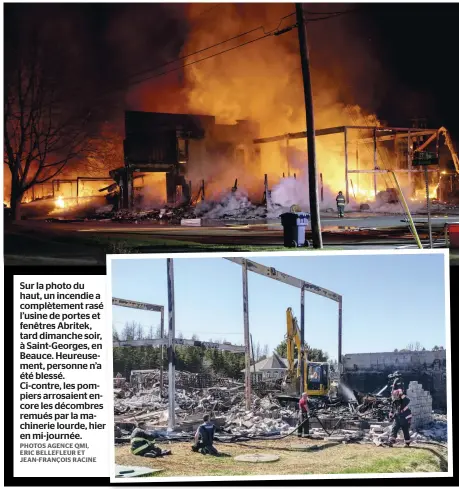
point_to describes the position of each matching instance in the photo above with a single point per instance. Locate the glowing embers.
(60, 203)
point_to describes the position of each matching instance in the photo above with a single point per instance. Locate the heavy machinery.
(316, 374)
(448, 142)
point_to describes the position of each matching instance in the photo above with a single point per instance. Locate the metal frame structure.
(170, 340)
(77, 182)
(379, 134)
(251, 266)
(146, 307)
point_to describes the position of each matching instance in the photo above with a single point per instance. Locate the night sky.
(419, 45)
(414, 45)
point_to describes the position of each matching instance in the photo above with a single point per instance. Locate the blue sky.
(389, 301)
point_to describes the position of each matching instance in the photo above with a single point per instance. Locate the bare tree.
(260, 352)
(257, 351)
(413, 347)
(128, 332)
(151, 334)
(41, 133)
(115, 334)
(138, 329)
(104, 151)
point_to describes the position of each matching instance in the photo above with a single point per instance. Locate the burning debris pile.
(232, 204)
(167, 214)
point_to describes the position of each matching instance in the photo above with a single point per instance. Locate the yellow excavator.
(448, 142)
(317, 374)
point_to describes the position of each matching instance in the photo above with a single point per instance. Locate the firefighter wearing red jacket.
(304, 415)
(401, 414)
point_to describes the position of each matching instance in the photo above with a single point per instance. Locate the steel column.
(245, 298)
(287, 155)
(170, 347)
(161, 369)
(408, 155)
(357, 163)
(302, 352)
(340, 335)
(346, 168)
(426, 178)
(375, 160)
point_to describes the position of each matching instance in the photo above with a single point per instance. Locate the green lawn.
(323, 458)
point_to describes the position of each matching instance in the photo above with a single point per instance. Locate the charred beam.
(284, 278)
(404, 170)
(181, 342)
(299, 135)
(337, 130)
(137, 305)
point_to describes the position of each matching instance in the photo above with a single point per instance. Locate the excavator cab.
(318, 379)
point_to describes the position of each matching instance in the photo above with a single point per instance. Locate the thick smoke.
(262, 81)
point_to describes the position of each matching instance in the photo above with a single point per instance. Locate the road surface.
(87, 242)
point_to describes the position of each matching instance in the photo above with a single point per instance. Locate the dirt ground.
(321, 457)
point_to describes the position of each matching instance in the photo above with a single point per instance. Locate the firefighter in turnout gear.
(204, 438)
(340, 202)
(143, 443)
(401, 414)
(303, 429)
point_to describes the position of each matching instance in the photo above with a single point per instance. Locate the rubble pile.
(148, 379)
(420, 405)
(267, 417)
(142, 396)
(365, 420)
(167, 214)
(436, 430)
(231, 205)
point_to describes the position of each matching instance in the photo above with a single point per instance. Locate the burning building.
(366, 154)
(174, 147)
(246, 76)
(165, 154)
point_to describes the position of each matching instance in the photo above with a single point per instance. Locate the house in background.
(271, 368)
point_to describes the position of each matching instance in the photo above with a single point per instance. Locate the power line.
(199, 60)
(326, 18)
(309, 12)
(206, 11)
(266, 34)
(279, 24)
(242, 34)
(196, 52)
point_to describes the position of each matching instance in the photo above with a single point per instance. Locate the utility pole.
(310, 129)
